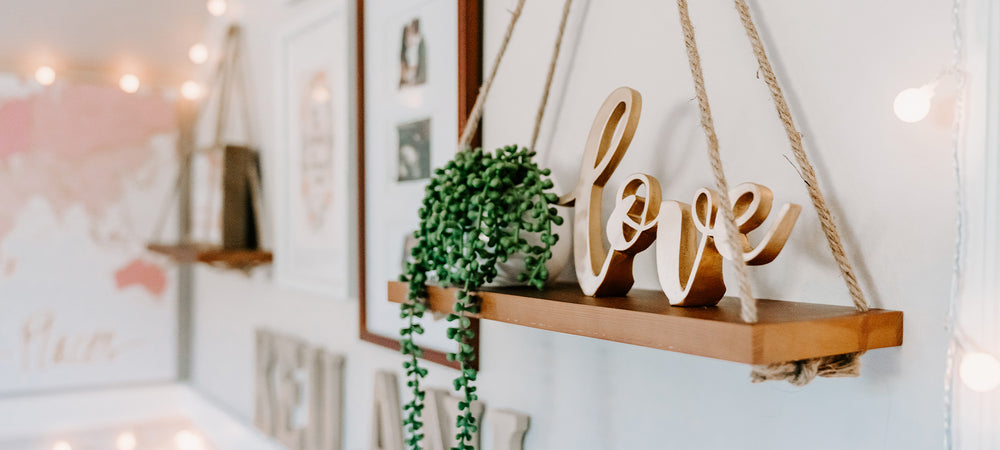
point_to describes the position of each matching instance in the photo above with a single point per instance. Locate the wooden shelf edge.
(785, 331)
(213, 255)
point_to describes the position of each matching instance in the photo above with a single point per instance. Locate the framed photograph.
(313, 211)
(419, 70)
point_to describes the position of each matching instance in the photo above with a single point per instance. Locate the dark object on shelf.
(239, 221)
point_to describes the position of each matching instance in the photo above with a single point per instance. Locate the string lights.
(129, 83)
(191, 90)
(188, 440)
(216, 7)
(45, 75)
(980, 371)
(126, 441)
(198, 53)
(912, 105)
(978, 368)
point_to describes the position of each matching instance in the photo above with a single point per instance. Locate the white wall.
(889, 184)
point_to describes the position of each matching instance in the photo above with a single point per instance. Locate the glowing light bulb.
(216, 7)
(45, 75)
(913, 104)
(62, 445)
(980, 372)
(125, 441)
(198, 53)
(129, 83)
(191, 90)
(188, 440)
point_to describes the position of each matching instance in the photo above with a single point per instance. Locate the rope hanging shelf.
(213, 255)
(784, 331)
(784, 340)
(239, 180)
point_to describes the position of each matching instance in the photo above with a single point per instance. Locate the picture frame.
(419, 68)
(313, 220)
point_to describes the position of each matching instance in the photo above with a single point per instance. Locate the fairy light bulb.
(912, 105)
(188, 440)
(198, 53)
(191, 90)
(125, 441)
(45, 75)
(129, 83)
(980, 372)
(216, 7)
(62, 445)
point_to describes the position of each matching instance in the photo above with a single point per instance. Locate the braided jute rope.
(748, 304)
(551, 74)
(477, 108)
(799, 372)
(805, 167)
(830, 366)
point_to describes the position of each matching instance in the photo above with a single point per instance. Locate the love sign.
(691, 239)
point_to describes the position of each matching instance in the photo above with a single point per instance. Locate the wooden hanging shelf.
(213, 254)
(785, 331)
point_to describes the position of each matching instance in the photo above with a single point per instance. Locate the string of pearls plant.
(477, 211)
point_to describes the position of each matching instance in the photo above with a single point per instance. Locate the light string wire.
(955, 336)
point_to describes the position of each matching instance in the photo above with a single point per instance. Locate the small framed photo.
(313, 226)
(414, 151)
(421, 71)
(412, 55)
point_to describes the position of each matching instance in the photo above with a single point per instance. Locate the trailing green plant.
(477, 211)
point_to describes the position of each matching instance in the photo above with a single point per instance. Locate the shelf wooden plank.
(213, 254)
(785, 331)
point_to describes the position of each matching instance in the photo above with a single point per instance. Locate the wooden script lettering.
(299, 392)
(509, 427)
(689, 267)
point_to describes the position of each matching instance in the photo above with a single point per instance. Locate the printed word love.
(689, 268)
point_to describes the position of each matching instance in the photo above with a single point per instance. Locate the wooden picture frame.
(468, 29)
(313, 216)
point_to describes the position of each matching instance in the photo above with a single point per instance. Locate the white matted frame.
(313, 148)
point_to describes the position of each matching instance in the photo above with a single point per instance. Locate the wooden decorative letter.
(387, 420)
(509, 428)
(690, 270)
(751, 206)
(439, 416)
(299, 393)
(601, 272)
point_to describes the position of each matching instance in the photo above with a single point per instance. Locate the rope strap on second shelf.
(477, 108)
(551, 74)
(798, 372)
